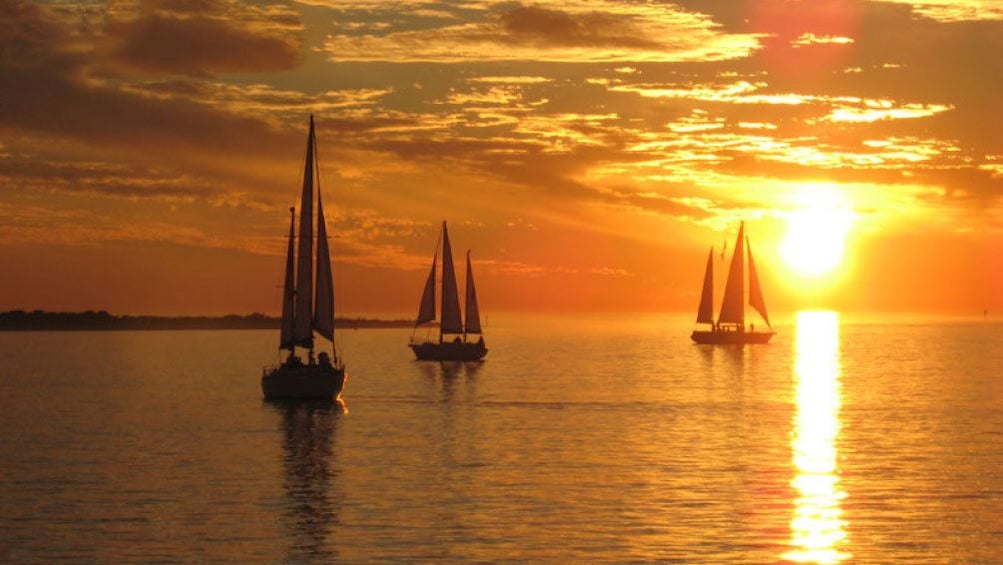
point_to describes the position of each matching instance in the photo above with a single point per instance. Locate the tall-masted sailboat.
(730, 326)
(457, 349)
(303, 312)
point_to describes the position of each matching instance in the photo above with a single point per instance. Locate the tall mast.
(303, 333)
(450, 322)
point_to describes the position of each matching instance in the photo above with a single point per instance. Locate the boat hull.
(731, 337)
(449, 351)
(303, 382)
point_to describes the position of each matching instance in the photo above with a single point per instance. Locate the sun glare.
(816, 237)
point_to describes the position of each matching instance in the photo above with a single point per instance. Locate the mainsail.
(705, 314)
(302, 331)
(473, 321)
(450, 323)
(323, 307)
(755, 291)
(286, 340)
(733, 305)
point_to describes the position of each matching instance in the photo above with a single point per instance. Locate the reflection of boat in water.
(309, 473)
(730, 327)
(458, 348)
(302, 312)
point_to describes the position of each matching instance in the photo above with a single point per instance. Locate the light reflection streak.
(817, 527)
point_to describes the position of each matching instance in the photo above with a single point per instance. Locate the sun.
(816, 239)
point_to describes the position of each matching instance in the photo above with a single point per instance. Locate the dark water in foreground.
(578, 440)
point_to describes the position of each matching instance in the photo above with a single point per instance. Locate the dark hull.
(731, 337)
(303, 382)
(449, 351)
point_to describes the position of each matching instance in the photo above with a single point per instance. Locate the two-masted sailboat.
(730, 325)
(307, 307)
(453, 344)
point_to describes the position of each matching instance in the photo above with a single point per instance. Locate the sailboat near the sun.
(303, 312)
(730, 326)
(459, 348)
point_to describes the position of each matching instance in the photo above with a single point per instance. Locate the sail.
(705, 314)
(426, 311)
(755, 291)
(733, 305)
(289, 290)
(302, 332)
(323, 306)
(473, 321)
(450, 322)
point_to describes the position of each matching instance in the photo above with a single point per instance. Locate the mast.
(286, 340)
(472, 324)
(755, 291)
(302, 331)
(733, 305)
(450, 322)
(705, 313)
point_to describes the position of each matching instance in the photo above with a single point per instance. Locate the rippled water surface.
(579, 439)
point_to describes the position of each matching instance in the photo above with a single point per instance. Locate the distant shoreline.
(39, 320)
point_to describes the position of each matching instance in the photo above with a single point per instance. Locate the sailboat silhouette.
(730, 326)
(456, 349)
(303, 312)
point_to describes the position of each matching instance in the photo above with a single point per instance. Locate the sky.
(588, 152)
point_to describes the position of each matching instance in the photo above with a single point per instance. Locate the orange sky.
(589, 151)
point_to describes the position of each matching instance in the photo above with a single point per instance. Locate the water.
(580, 439)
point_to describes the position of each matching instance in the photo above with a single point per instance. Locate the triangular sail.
(302, 333)
(323, 307)
(473, 321)
(705, 314)
(426, 311)
(733, 305)
(450, 323)
(755, 291)
(286, 340)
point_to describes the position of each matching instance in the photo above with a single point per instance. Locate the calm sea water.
(579, 439)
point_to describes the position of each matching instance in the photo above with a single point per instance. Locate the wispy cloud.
(593, 32)
(954, 10)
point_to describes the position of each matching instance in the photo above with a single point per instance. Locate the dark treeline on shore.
(19, 320)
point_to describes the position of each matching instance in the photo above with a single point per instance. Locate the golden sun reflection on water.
(817, 527)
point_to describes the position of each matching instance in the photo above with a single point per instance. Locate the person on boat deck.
(480, 341)
(752, 327)
(457, 340)
(293, 360)
(324, 359)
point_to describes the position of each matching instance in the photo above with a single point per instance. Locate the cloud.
(512, 79)
(60, 93)
(204, 37)
(598, 32)
(954, 10)
(809, 38)
(875, 110)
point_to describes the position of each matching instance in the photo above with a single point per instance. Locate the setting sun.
(816, 239)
